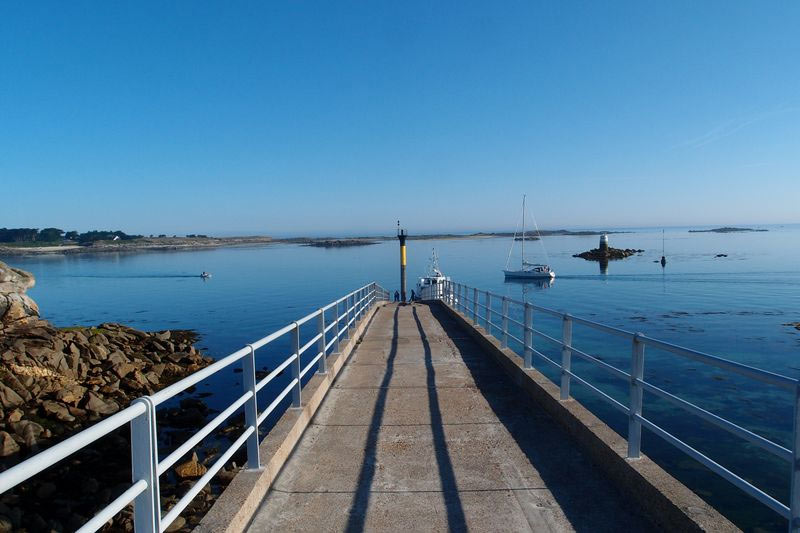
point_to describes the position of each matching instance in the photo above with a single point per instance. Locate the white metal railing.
(467, 300)
(141, 415)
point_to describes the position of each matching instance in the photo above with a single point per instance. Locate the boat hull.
(524, 274)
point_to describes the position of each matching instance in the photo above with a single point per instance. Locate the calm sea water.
(735, 307)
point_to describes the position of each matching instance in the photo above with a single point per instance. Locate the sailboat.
(528, 270)
(663, 256)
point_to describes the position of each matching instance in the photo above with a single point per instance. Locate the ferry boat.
(431, 286)
(528, 270)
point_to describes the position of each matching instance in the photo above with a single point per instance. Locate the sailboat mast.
(523, 232)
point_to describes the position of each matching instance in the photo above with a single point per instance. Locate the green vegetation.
(51, 236)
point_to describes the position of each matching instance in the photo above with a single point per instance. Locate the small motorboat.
(205, 275)
(431, 286)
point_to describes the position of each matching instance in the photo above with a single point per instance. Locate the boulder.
(191, 468)
(9, 398)
(57, 410)
(96, 404)
(8, 446)
(16, 308)
(29, 431)
(71, 395)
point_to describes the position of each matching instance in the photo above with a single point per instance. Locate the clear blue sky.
(336, 117)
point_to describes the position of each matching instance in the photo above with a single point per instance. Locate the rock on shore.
(16, 307)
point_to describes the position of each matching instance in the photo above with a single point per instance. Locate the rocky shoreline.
(138, 245)
(55, 382)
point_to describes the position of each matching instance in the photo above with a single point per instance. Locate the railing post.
(475, 306)
(794, 500)
(251, 408)
(528, 336)
(144, 465)
(566, 356)
(346, 317)
(337, 327)
(635, 404)
(488, 313)
(296, 391)
(322, 367)
(504, 340)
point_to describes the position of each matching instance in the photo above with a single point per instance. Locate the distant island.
(28, 241)
(726, 229)
(339, 243)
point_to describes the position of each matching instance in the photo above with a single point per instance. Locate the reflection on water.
(530, 286)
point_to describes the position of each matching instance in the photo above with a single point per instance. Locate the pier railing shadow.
(588, 500)
(452, 500)
(360, 503)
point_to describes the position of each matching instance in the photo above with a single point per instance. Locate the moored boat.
(528, 270)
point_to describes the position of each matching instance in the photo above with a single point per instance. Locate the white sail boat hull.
(529, 274)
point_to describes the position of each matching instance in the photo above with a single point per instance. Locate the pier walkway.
(422, 430)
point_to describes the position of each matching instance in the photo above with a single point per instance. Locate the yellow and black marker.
(401, 235)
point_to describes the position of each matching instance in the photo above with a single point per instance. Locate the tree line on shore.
(56, 235)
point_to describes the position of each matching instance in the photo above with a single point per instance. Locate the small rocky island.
(56, 381)
(605, 253)
(725, 230)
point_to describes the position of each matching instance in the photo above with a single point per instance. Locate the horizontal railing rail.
(141, 416)
(471, 302)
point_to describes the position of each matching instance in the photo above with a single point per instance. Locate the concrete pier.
(422, 430)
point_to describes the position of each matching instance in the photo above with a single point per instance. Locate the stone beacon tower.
(401, 236)
(604, 242)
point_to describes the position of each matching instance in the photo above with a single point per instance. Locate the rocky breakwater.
(55, 382)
